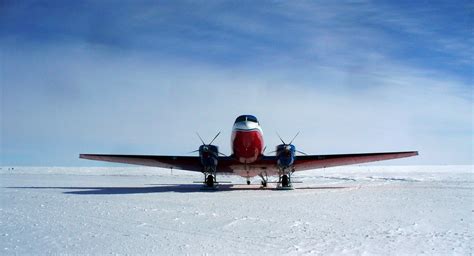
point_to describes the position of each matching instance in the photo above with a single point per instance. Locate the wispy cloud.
(142, 78)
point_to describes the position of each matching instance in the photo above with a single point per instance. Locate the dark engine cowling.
(285, 155)
(209, 155)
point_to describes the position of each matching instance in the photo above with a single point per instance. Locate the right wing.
(188, 163)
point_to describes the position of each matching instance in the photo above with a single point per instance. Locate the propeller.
(214, 138)
(205, 148)
(291, 141)
(301, 152)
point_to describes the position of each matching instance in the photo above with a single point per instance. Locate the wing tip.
(406, 154)
(86, 156)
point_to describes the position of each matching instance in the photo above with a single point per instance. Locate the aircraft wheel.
(248, 182)
(264, 184)
(210, 181)
(285, 181)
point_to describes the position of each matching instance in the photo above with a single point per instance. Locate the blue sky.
(142, 77)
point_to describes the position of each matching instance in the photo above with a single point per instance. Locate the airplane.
(247, 159)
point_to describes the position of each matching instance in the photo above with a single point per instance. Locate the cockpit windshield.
(249, 118)
(252, 119)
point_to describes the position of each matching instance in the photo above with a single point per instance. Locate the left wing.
(322, 161)
(309, 162)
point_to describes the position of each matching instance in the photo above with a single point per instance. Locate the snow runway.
(134, 210)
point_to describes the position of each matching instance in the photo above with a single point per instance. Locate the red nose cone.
(247, 145)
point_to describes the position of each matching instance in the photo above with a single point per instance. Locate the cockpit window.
(249, 118)
(252, 119)
(241, 119)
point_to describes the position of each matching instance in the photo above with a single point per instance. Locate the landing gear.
(210, 181)
(210, 178)
(248, 182)
(264, 177)
(284, 181)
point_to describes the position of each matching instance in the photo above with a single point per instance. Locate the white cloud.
(86, 99)
(331, 71)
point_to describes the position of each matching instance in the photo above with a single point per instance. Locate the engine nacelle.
(209, 154)
(285, 154)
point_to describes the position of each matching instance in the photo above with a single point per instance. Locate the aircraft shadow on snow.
(164, 188)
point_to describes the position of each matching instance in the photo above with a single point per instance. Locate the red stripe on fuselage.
(247, 145)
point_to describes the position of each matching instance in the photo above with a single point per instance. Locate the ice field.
(354, 210)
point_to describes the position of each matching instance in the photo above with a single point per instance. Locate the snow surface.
(362, 210)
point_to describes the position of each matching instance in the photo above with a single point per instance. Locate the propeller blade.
(203, 143)
(301, 152)
(197, 150)
(214, 138)
(280, 138)
(222, 154)
(294, 137)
